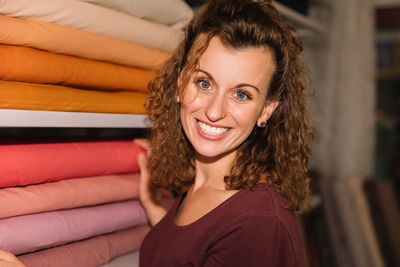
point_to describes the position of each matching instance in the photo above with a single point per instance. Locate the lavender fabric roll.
(28, 233)
(90, 252)
(26, 164)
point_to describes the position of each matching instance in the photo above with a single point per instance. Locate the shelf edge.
(61, 119)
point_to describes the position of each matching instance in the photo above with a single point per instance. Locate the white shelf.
(303, 24)
(33, 118)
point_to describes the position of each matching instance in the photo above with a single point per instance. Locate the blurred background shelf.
(303, 23)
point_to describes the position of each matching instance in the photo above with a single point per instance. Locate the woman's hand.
(9, 260)
(155, 211)
(144, 187)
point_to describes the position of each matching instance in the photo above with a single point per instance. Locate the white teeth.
(211, 130)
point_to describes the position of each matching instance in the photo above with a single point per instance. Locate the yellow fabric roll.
(31, 65)
(70, 41)
(30, 96)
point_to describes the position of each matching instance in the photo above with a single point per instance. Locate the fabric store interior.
(73, 79)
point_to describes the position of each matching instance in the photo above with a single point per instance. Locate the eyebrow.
(237, 86)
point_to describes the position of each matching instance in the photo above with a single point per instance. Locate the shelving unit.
(58, 119)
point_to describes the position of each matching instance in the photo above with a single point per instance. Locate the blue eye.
(203, 84)
(240, 95)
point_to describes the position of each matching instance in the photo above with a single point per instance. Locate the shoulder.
(262, 200)
(261, 215)
(257, 240)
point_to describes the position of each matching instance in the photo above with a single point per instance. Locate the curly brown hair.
(276, 154)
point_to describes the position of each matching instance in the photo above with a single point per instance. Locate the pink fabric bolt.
(66, 194)
(26, 164)
(91, 252)
(28, 233)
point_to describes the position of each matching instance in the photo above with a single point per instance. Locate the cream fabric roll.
(97, 19)
(169, 12)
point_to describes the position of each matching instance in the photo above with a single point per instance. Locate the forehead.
(250, 65)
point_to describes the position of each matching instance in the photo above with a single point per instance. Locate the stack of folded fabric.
(93, 56)
(75, 204)
(71, 203)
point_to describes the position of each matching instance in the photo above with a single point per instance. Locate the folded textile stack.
(76, 203)
(71, 203)
(93, 56)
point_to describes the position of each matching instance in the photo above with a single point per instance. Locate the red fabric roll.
(25, 164)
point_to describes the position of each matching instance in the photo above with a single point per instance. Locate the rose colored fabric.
(89, 253)
(68, 194)
(33, 96)
(23, 64)
(65, 40)
(169, 12)
(96, 19)
(26, 164)
(28, 233)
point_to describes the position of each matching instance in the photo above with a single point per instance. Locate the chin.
(212, 154)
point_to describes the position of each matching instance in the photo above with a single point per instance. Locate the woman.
(229, 138)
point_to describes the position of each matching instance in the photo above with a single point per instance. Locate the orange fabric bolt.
(31, 96)
(65, 40)
(24, 64)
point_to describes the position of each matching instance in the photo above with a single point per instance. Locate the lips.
(211, 130)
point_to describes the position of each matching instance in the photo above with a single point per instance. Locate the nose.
(216, 107)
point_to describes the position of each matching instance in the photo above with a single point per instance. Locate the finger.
(8, 259)
(142, 162)
(6, 256)
(144, 173)
(144, 143)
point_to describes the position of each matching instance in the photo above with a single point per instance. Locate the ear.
(267, 111)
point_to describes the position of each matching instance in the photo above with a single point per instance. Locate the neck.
(210, 172)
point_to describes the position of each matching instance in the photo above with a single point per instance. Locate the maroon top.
(251, 228)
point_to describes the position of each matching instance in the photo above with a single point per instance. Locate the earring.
(262, 124)
(178, 99)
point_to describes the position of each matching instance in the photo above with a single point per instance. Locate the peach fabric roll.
(23, 64)
(26, 164)
(28, 233)
(68, 194)
(33, 96)
(96, 19)
(65, 40)
(89, 253)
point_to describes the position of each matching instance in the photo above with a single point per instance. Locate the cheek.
(245, 116)
(190, 94)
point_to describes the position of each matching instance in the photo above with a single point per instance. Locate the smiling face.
(225, 98)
